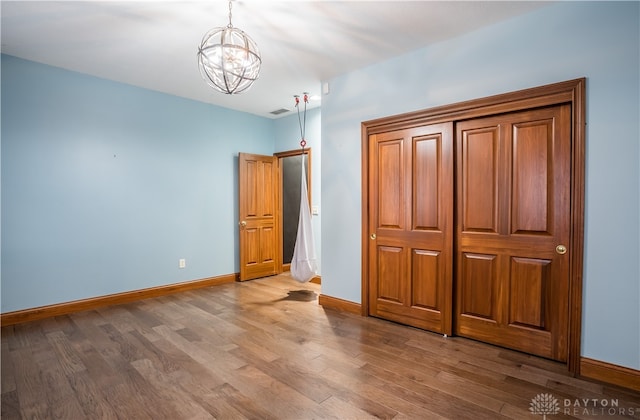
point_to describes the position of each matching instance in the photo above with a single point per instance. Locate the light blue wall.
(563, 41)
(287, 137)
(106, 186)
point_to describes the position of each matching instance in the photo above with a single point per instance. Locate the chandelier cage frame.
(229, 60)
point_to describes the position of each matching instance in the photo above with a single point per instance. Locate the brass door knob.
(561, 249)
(373, 236)
(243, 224)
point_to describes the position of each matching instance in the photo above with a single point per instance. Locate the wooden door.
(513, 228)
(259, 244)
(411, 226)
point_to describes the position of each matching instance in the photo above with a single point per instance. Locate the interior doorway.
(290, 164)
(269, 203)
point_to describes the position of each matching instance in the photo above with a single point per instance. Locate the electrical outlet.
(182, 263)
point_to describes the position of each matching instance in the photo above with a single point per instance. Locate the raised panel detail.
(479, 172)
(391, 184)
(267, 238)
(251, 189)
(425, 278)
(252, 248)
(390, 269)
(528, 291)
(477, 285)
(426, 196)
(531, 184)
(268, 204)
(259, 193)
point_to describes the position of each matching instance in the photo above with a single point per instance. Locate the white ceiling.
(153, 44)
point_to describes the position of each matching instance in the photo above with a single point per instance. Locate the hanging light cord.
(230, 25)
(302, 123)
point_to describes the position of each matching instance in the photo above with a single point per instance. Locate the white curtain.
(303, 263)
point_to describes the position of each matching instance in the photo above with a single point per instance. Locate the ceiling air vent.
(280, 111)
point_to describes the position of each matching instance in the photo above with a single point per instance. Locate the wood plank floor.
(265, 349)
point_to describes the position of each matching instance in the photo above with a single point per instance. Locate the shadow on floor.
(300, 296)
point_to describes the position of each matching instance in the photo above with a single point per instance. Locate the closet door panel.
(522, 162)
(532, 151)
(528, 292)
(478, 286)
(411, 214)
(391, 266)
(426, 266)
(481, 148)
(391, 184)
(426, 183)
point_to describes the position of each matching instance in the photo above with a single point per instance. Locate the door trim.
(571, 92)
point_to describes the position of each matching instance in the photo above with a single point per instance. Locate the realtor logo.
(544, 404)
(548, 405)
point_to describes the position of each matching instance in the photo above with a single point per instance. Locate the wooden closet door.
(410, 226)
(513, 227)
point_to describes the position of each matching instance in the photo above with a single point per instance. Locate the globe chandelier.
(229, 60)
